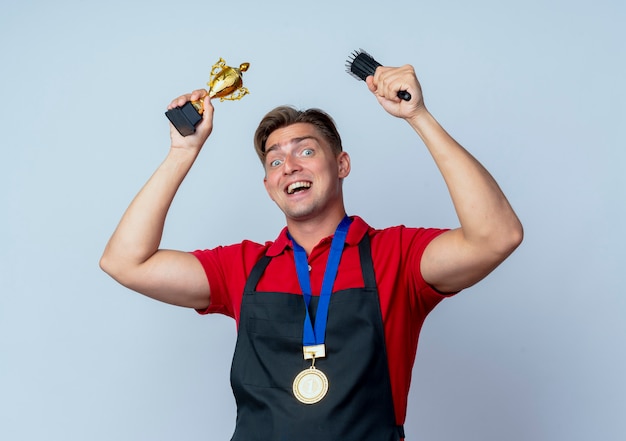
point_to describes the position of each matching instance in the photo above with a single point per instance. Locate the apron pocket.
(268, 338)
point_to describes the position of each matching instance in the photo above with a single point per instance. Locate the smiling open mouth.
(298, 186)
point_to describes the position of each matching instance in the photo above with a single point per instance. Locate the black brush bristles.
(361, 65)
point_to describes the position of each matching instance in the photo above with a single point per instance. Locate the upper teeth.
(296, 185)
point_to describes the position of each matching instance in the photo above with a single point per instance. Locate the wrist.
(181, 156)
(421, 119)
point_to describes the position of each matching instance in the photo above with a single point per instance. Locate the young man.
(309, 365)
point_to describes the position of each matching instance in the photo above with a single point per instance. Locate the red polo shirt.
(405, 298)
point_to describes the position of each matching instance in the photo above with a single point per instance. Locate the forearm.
(138, 235)
(489, 230)
(485, 215)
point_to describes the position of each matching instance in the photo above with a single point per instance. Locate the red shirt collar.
(357, 230)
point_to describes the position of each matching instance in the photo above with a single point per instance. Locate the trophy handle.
(218, 66)
(237, 95)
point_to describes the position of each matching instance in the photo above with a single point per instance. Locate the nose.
(290, 165)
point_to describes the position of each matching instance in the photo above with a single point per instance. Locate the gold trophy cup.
(226, 83)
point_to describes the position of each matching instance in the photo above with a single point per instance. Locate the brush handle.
(404, 95)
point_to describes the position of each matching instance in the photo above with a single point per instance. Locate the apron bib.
(268, 357)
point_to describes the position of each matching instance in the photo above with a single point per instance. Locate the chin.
(299, 213)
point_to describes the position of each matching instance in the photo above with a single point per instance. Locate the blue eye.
(275, 163)
(307, 152)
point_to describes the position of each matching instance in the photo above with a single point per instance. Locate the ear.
(343, 164)
(267, 189)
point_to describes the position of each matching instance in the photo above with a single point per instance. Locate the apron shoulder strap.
(400, 429)
(367, 265)
(256, 273)
(365, 255)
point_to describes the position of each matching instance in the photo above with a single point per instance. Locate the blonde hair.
(284, 116)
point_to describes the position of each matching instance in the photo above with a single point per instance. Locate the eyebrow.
(291, 141)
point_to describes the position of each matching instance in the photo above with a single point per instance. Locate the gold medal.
(310, 386)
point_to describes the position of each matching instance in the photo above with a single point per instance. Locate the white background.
(534, 89)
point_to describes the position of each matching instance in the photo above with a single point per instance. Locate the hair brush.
(362, 65)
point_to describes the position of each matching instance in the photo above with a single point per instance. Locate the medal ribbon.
(315, 336)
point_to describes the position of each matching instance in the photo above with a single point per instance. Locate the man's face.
(302, 175)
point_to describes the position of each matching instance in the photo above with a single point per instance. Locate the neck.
(309, 233)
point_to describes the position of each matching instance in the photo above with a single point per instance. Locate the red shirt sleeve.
(227, 269)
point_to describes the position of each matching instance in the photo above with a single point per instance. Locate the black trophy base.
(184, 118)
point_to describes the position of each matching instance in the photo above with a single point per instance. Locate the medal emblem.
(310, 386)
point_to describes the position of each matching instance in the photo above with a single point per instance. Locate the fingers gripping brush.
(361, 65)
